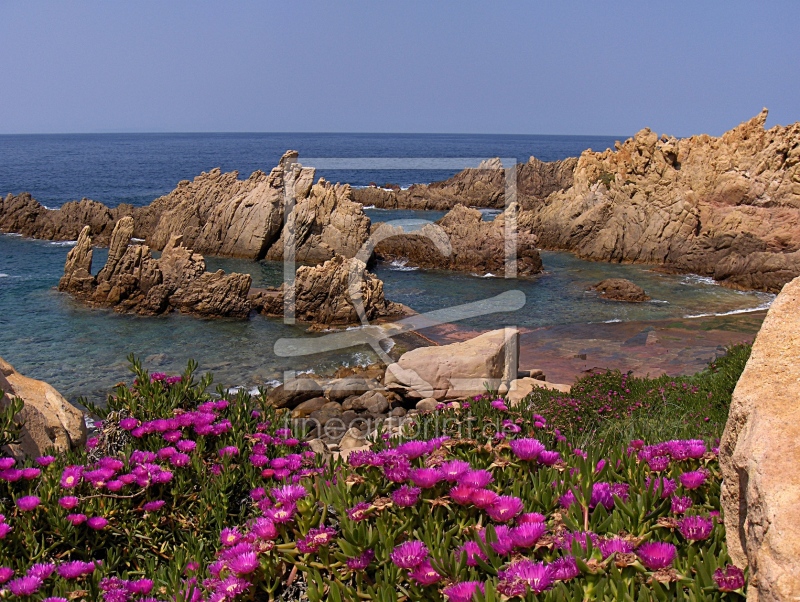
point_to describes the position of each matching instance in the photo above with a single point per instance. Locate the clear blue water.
(83, 351)
(136, 168)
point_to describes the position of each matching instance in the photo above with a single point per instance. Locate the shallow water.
(82, 351)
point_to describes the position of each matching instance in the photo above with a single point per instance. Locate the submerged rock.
(620, 289)
(49, 422)
(760, 457)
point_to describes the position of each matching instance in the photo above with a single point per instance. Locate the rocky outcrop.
(217, 214)
(48, 421)
(460, 241)
(323, 223)
(725, 207)
(337, 293)
(133, 281)
(760, 457)
(459, 369)
(476, 187)
(620, 289)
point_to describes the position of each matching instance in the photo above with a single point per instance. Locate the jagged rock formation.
(216, 214)
(133, 281)
(620, 289)
(725, 207)
(48, 421)
(323, 223)
(760, 457)
(476, 187)
(461, 241)
(336, 293)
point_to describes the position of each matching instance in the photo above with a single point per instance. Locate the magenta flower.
(564, 568)
(6, 573)
(498, 404)
(527, 449)
(659, 463)
(42, 570)
(186, 445)
(693, 479)
(153, 506)
(7, 463)
(530, 517)
(462, 494)
(679, 505)
(289, 494)
(504, 544)
(528, 574)
(360, 562)
(75, 569)
(358, 512)
(425, 477)
(729, 579)
(229, 451)
(284, 514)
(406, 496)
(97, 523)
(31, 473)
(462, 591)
(71, 476)
(396, 468)
(483, 498)
(476, 478)
(25, 586)
(473, 551)
(5, 529)
(140, 586)
(548, 458)
(526, 535)
(695, 528)
(244, 564)
(504, 508)
(28, 503)
(409, 554)
(230, 536)
(264, 529)
(615, 545)
(316, 539)
(667, 486)
(414, 449)
(656, 555)
(582, 537)
(76, 519)
(231, 587)
(424, 574)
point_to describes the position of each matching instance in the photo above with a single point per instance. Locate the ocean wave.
(4, 276)
(612, 321)
(692, 279)
(733, 312)
(399, 265)
(368, 206)
(64, 243)
(658, 301)
(137, 240)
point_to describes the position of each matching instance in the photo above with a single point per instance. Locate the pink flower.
(424, 574)
(527, 534)
(476, 478)
(244, 564)
(695, 528)
(528, 574)
(97, 523)
(359, 563)
(425, 477)
(729, 579)
(45, 461)
(5, 574)
(693, 479)
(472, 551)
(71, 476)
(25, 586)
(462, 591)
(679, 505)
(462, 494)
(527, 449)
(657, 555)
(409, 554)
(615, 545)
(230, 536)
(504, 508)
(28, 503)
(76, 519)
(153, 506)
(483, 498)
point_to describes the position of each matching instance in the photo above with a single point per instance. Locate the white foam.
(399, 265)
(64, 243)
(658, 301)
(368, 207)
(692, 279)
(137, 240)
(612, 321)
(4, 276)
(50, 208)
(733, 312)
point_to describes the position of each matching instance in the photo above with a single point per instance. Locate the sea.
(83, 352)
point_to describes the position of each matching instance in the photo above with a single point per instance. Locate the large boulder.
(459, 369)
(760, 457)
(49, 422)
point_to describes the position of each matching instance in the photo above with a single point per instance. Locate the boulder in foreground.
(459, 369)
(49, 422)
(760, 457)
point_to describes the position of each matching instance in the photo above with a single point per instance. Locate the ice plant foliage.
(196, 496)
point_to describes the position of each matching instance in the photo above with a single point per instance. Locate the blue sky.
(481, 67)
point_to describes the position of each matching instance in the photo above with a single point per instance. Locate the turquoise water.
(82, 351)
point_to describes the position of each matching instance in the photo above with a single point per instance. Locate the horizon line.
(329, 133)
